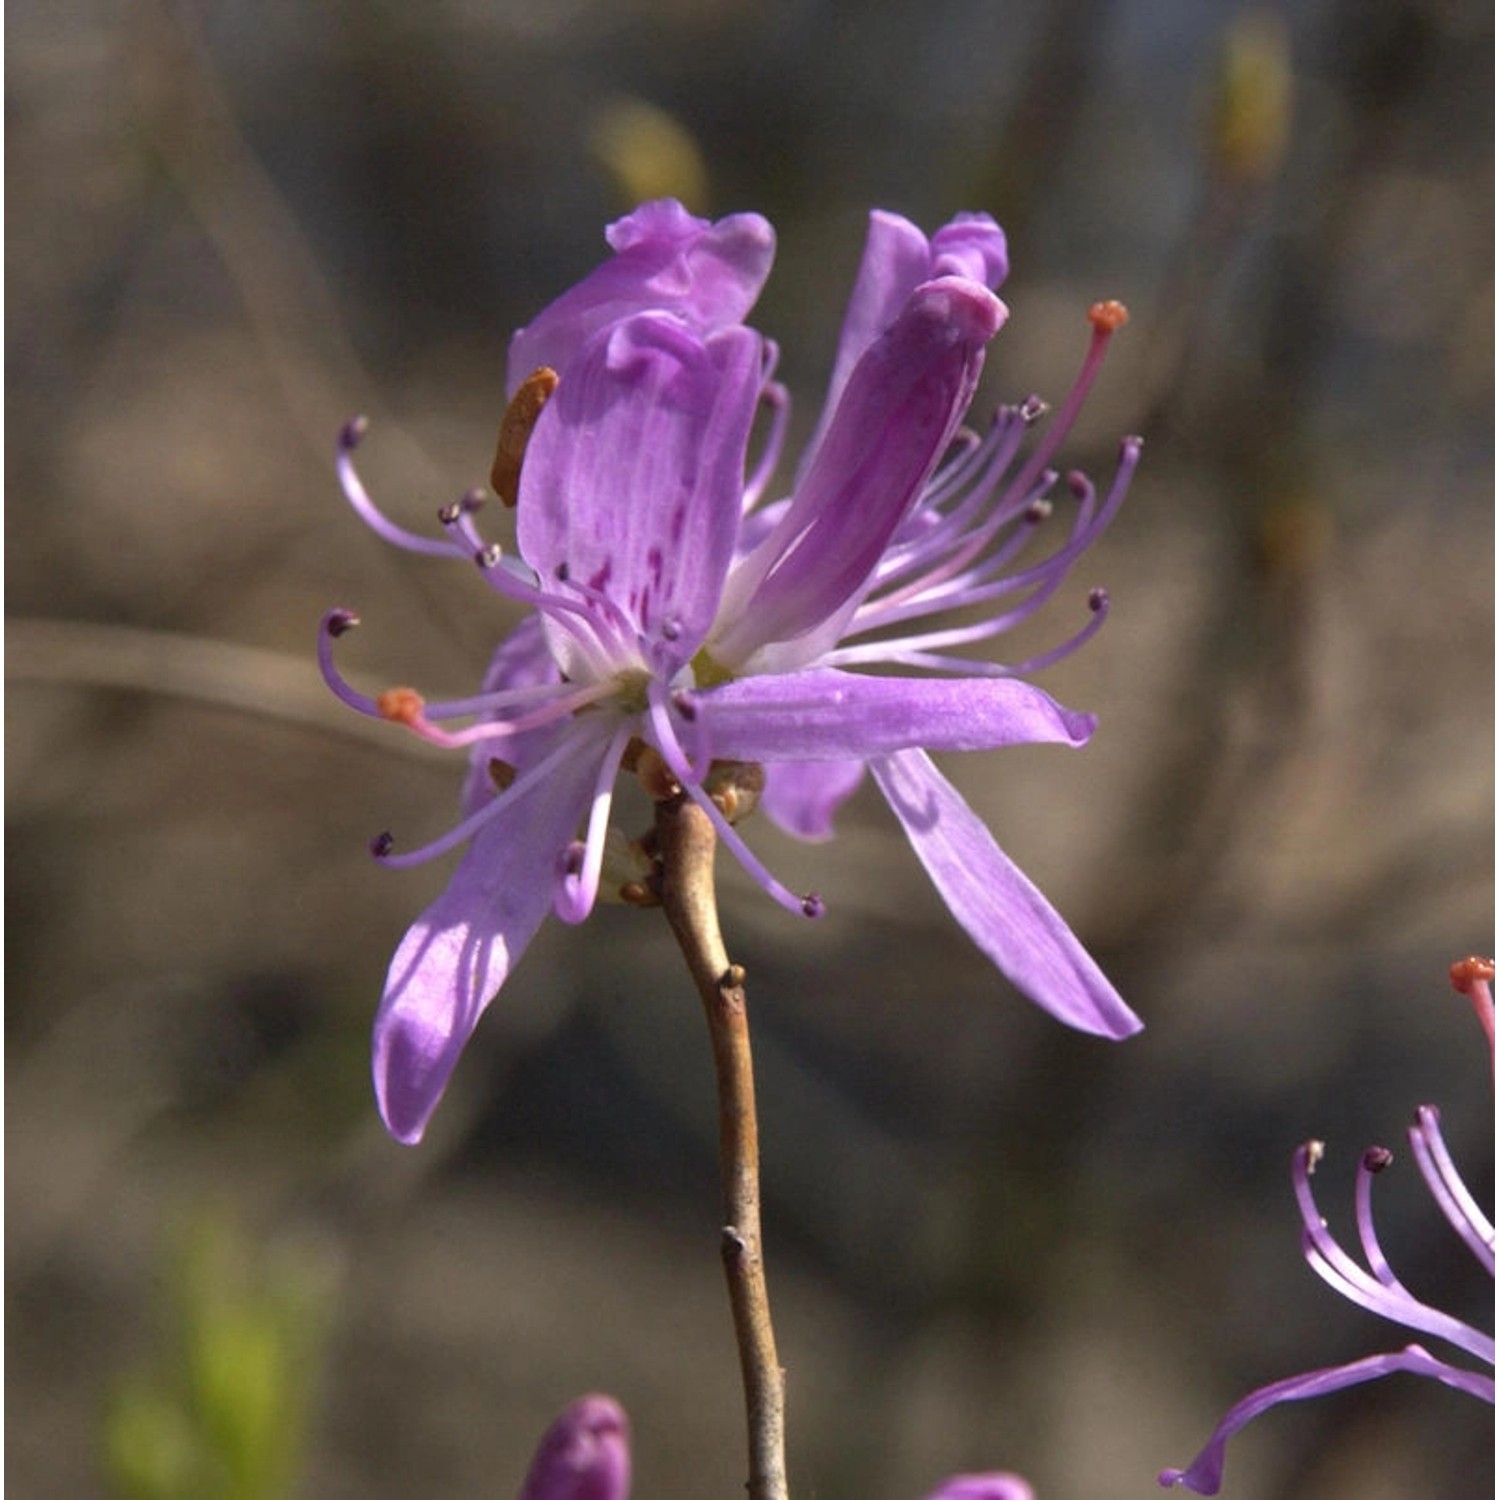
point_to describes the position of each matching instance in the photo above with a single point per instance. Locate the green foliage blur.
(223, 1412)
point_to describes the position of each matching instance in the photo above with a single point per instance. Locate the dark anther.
(1098, 599)
(1078, 484)
(472, 500)
(1376, 1159)
(382, 844)
(489, 557)
(1033, 409)
(812, 905)
(448, 514)
(341, 621)
(352, 431)
(1038, 511)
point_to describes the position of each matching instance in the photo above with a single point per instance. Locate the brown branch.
(687, 854)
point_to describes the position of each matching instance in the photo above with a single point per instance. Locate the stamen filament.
(666, 741)
(334, 624)
(1448, 1188)
(468, 827)
(350, 436)
(576, 892)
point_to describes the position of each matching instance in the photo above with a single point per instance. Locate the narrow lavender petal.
(459, 952)
(801, 797)
(635, 469)
(1204, 1475)
(826, 714)
(984, 1487)
(895, 262)
(1008, 918)
(583, 1455)
(897, 259)
(707, 274)
(895, 419)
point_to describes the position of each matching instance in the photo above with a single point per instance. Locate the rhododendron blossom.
(680, 625)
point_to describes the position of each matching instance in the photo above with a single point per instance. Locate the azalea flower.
(1374, 1285)
(680, 625)
(585, 1455)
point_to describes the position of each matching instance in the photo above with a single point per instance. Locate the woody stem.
(686, 844)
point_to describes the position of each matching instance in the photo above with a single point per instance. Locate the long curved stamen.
(413, 715)
(475, 821)
(1335, 1266)
(577, 889)
(925, 591)
(1375, 1160)
(667, 743)
(335, 623)
(911, 651)
(1107, 319)
(350, 436)
(1448, 1188)
(1203, 1475)
(1045, 575)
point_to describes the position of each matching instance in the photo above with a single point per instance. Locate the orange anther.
(1107, 317)
(515, 431)
(1467, 971)
(401, 705)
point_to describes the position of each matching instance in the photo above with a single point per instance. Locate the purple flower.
(678, 622)
(1374, 1285)
(585, 1455)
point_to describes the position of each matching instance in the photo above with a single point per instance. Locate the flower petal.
(635, 470)
(827, 714)
(462, 948)
(801, 796)
(897, 259)
(896, 418)
(1009, 919)
(709, 274)
(583, 1455)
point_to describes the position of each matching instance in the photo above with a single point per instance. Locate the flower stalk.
(686, 842)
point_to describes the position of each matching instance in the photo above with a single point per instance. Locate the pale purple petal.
(707, 274)
(984, 1487)
(583, 1455)
(1204, 1475)
(827, 714)
(971, 245)
(458, 953)
(894, 422)
(998, 907)
(635, 469)
(897, 259)
(801, 796)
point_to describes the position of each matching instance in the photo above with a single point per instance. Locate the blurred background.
(992, 1243)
